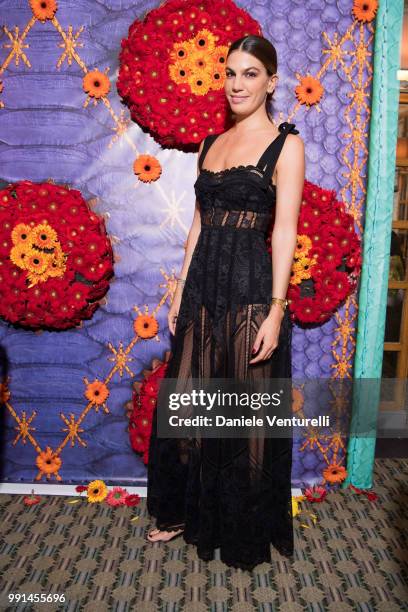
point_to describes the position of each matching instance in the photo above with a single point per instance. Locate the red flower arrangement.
(327, 259)
(171, 73)
(140, 409)
(55, 256)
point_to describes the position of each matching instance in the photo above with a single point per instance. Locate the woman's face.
(246, 82)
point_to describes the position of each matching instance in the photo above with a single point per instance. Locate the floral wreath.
(171, 73)
(55, 256)
(327, 260)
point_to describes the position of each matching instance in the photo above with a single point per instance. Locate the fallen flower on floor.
(132, 500)
(317, 493)
(116, 497)
(31, 500)
(370, 495)
(97, 491)
(296, 510)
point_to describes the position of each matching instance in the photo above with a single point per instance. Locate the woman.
(229, 319)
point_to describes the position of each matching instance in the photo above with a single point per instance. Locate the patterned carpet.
(354, 558)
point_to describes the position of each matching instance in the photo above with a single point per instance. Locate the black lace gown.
(232, 494)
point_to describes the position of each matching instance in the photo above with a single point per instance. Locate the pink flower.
(116, 497)
(316, 493)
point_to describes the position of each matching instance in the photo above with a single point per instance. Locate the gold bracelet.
(281, 301)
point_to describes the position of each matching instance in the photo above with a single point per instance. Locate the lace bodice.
(241, 187)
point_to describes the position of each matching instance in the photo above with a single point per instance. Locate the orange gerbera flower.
(97, 392)
(20, 254)
(334, 473)
(96, 84)
(48, 463)
(303, 244)
(44, 236)
(146, 326)
(43, 9)
(309, 91)
(37, 262)
(21, 233)
(204, 41)
(147, 168)
(364, 10)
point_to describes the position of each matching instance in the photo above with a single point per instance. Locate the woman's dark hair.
(263, 50)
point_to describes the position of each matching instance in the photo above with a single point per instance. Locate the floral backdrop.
(77, 113)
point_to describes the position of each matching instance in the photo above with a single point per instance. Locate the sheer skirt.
(228, 493)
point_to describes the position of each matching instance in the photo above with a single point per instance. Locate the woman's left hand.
(268, 335)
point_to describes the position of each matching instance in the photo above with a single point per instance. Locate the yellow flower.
(97, 491)
(303, 244)
(37, 262)
(44, 236)
(20, 254)
(295, 506)
(21, 234)
(204, 41)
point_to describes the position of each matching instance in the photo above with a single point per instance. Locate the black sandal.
(168, 530)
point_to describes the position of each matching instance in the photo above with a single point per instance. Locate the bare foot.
(155, 535)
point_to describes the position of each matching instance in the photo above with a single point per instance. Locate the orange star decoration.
(96, 84)
(146, 326)
(48, 463)
(97, 393)
(364, 10)
(147, 168)
(334, 473)
(309, 91)
(43, 9)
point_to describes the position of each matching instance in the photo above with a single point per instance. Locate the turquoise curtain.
(377, 237)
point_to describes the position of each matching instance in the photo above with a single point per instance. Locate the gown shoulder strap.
(268, 160)
(208, 140)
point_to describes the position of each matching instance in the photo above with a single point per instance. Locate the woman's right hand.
(173, 311)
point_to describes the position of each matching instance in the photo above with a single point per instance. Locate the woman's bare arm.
(290, 172)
